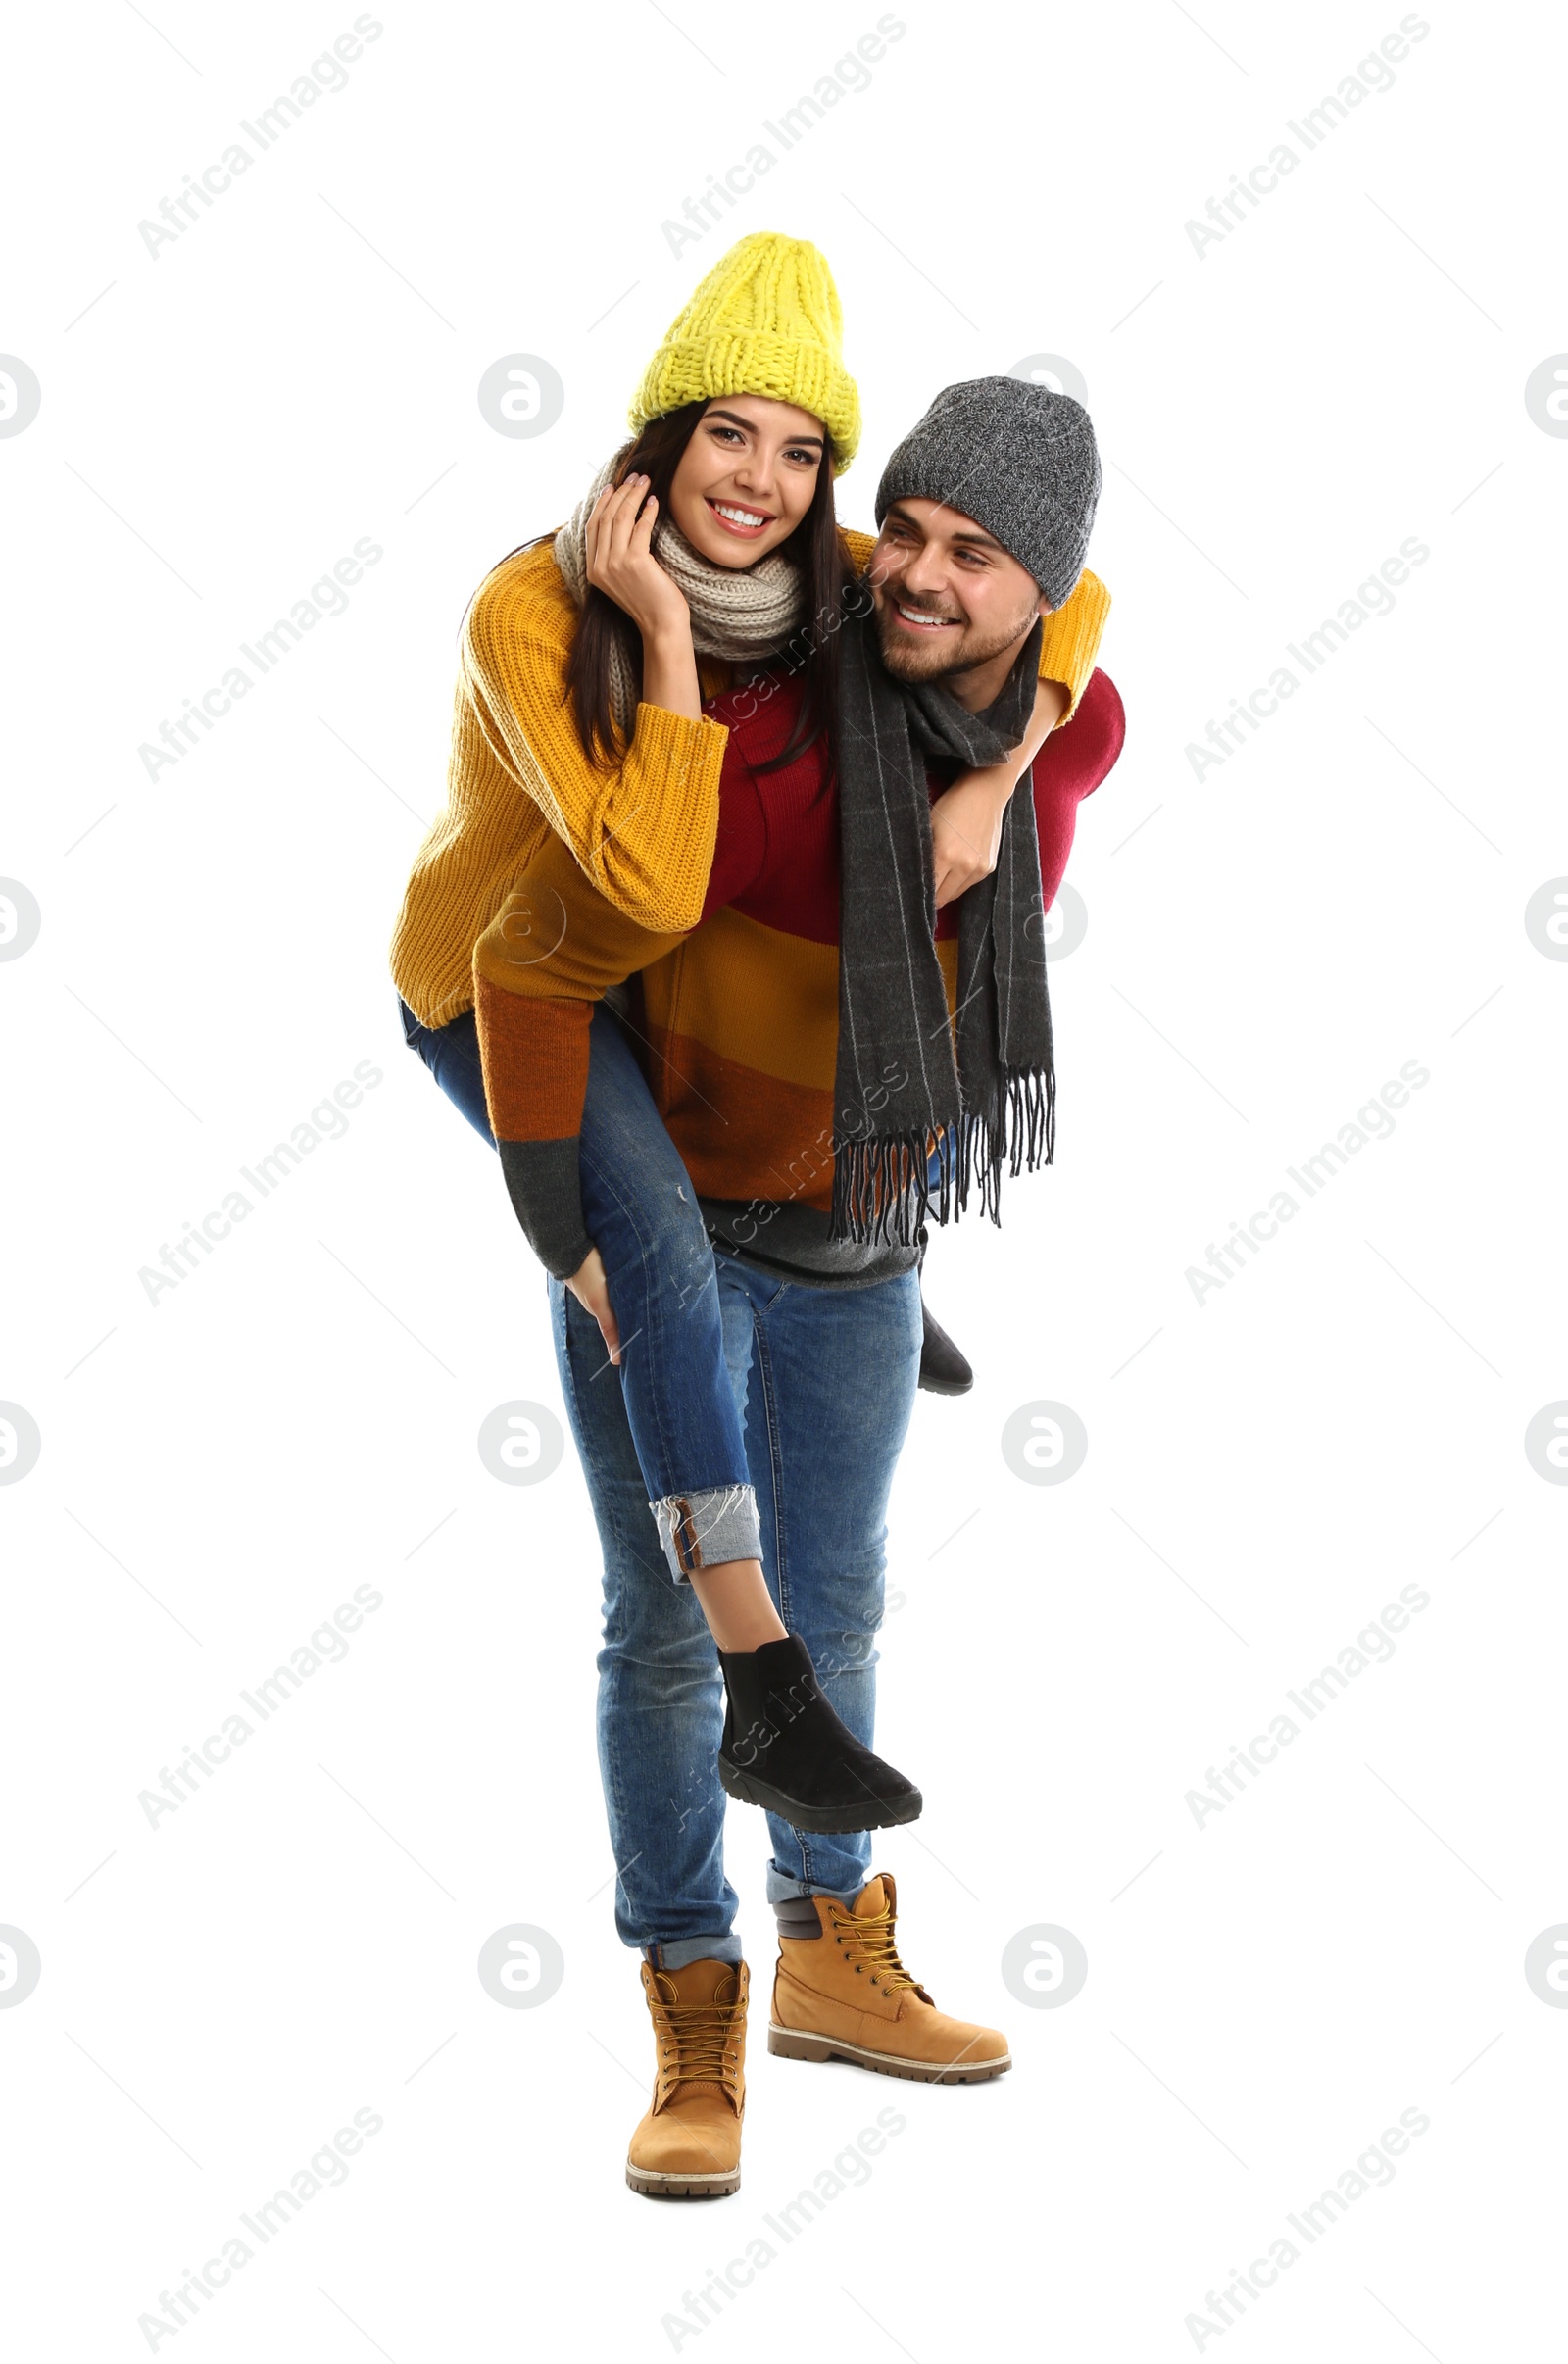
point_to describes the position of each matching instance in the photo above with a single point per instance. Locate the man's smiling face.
(949, 597)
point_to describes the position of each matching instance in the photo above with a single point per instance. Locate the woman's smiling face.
(746, 477)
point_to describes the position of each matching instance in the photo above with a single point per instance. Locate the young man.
(806, 1046)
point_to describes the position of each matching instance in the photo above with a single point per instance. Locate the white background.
(1266, 1992)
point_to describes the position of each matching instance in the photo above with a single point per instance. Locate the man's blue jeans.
(641, 1212)
(811, 1408)
(826, 1380)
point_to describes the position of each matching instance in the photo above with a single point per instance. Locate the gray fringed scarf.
(900, 1090)
(738, 613)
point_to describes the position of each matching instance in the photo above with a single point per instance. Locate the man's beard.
(910, 659)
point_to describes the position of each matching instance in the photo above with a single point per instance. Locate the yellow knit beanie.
(765, 320)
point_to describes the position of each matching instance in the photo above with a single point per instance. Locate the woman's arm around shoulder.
(642, 827)
(1069, 768)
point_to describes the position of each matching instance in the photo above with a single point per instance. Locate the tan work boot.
(688, 2147)
(840, 1993)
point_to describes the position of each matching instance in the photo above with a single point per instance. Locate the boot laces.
(701, 2038)
(873, 1932)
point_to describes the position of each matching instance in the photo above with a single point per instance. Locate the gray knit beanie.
(1020, 460)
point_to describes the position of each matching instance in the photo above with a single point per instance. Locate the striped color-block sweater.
(642, 829)
(739, 1014)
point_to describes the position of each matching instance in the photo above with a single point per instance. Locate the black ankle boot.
(784, 1748)
(944, 1368)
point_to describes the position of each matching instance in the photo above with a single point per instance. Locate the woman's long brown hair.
(813, 650)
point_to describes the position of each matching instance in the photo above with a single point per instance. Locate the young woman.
(707, 557)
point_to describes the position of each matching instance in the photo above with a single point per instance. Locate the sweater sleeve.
(642, 829)
(1070, 642)
(553, 950)
(1070, 765)
(1071, 639)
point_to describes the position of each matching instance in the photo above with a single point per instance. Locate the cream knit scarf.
(738, 613)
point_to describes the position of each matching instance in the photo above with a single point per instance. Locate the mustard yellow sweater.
(643, 831)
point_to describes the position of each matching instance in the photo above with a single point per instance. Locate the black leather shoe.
(944, 1369)
(786, 1749)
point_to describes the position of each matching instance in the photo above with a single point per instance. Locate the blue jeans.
(826, 1381)
(810, 1407)
(641, 1212)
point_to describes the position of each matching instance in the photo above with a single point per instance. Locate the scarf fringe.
(882, 1193)
(1032, 1120)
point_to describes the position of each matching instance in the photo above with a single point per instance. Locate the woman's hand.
(967, 829)
(966, 818)
(590, 1288)
(622, 563)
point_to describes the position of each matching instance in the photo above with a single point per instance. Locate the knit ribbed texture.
(765, 320)
(642, 830)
